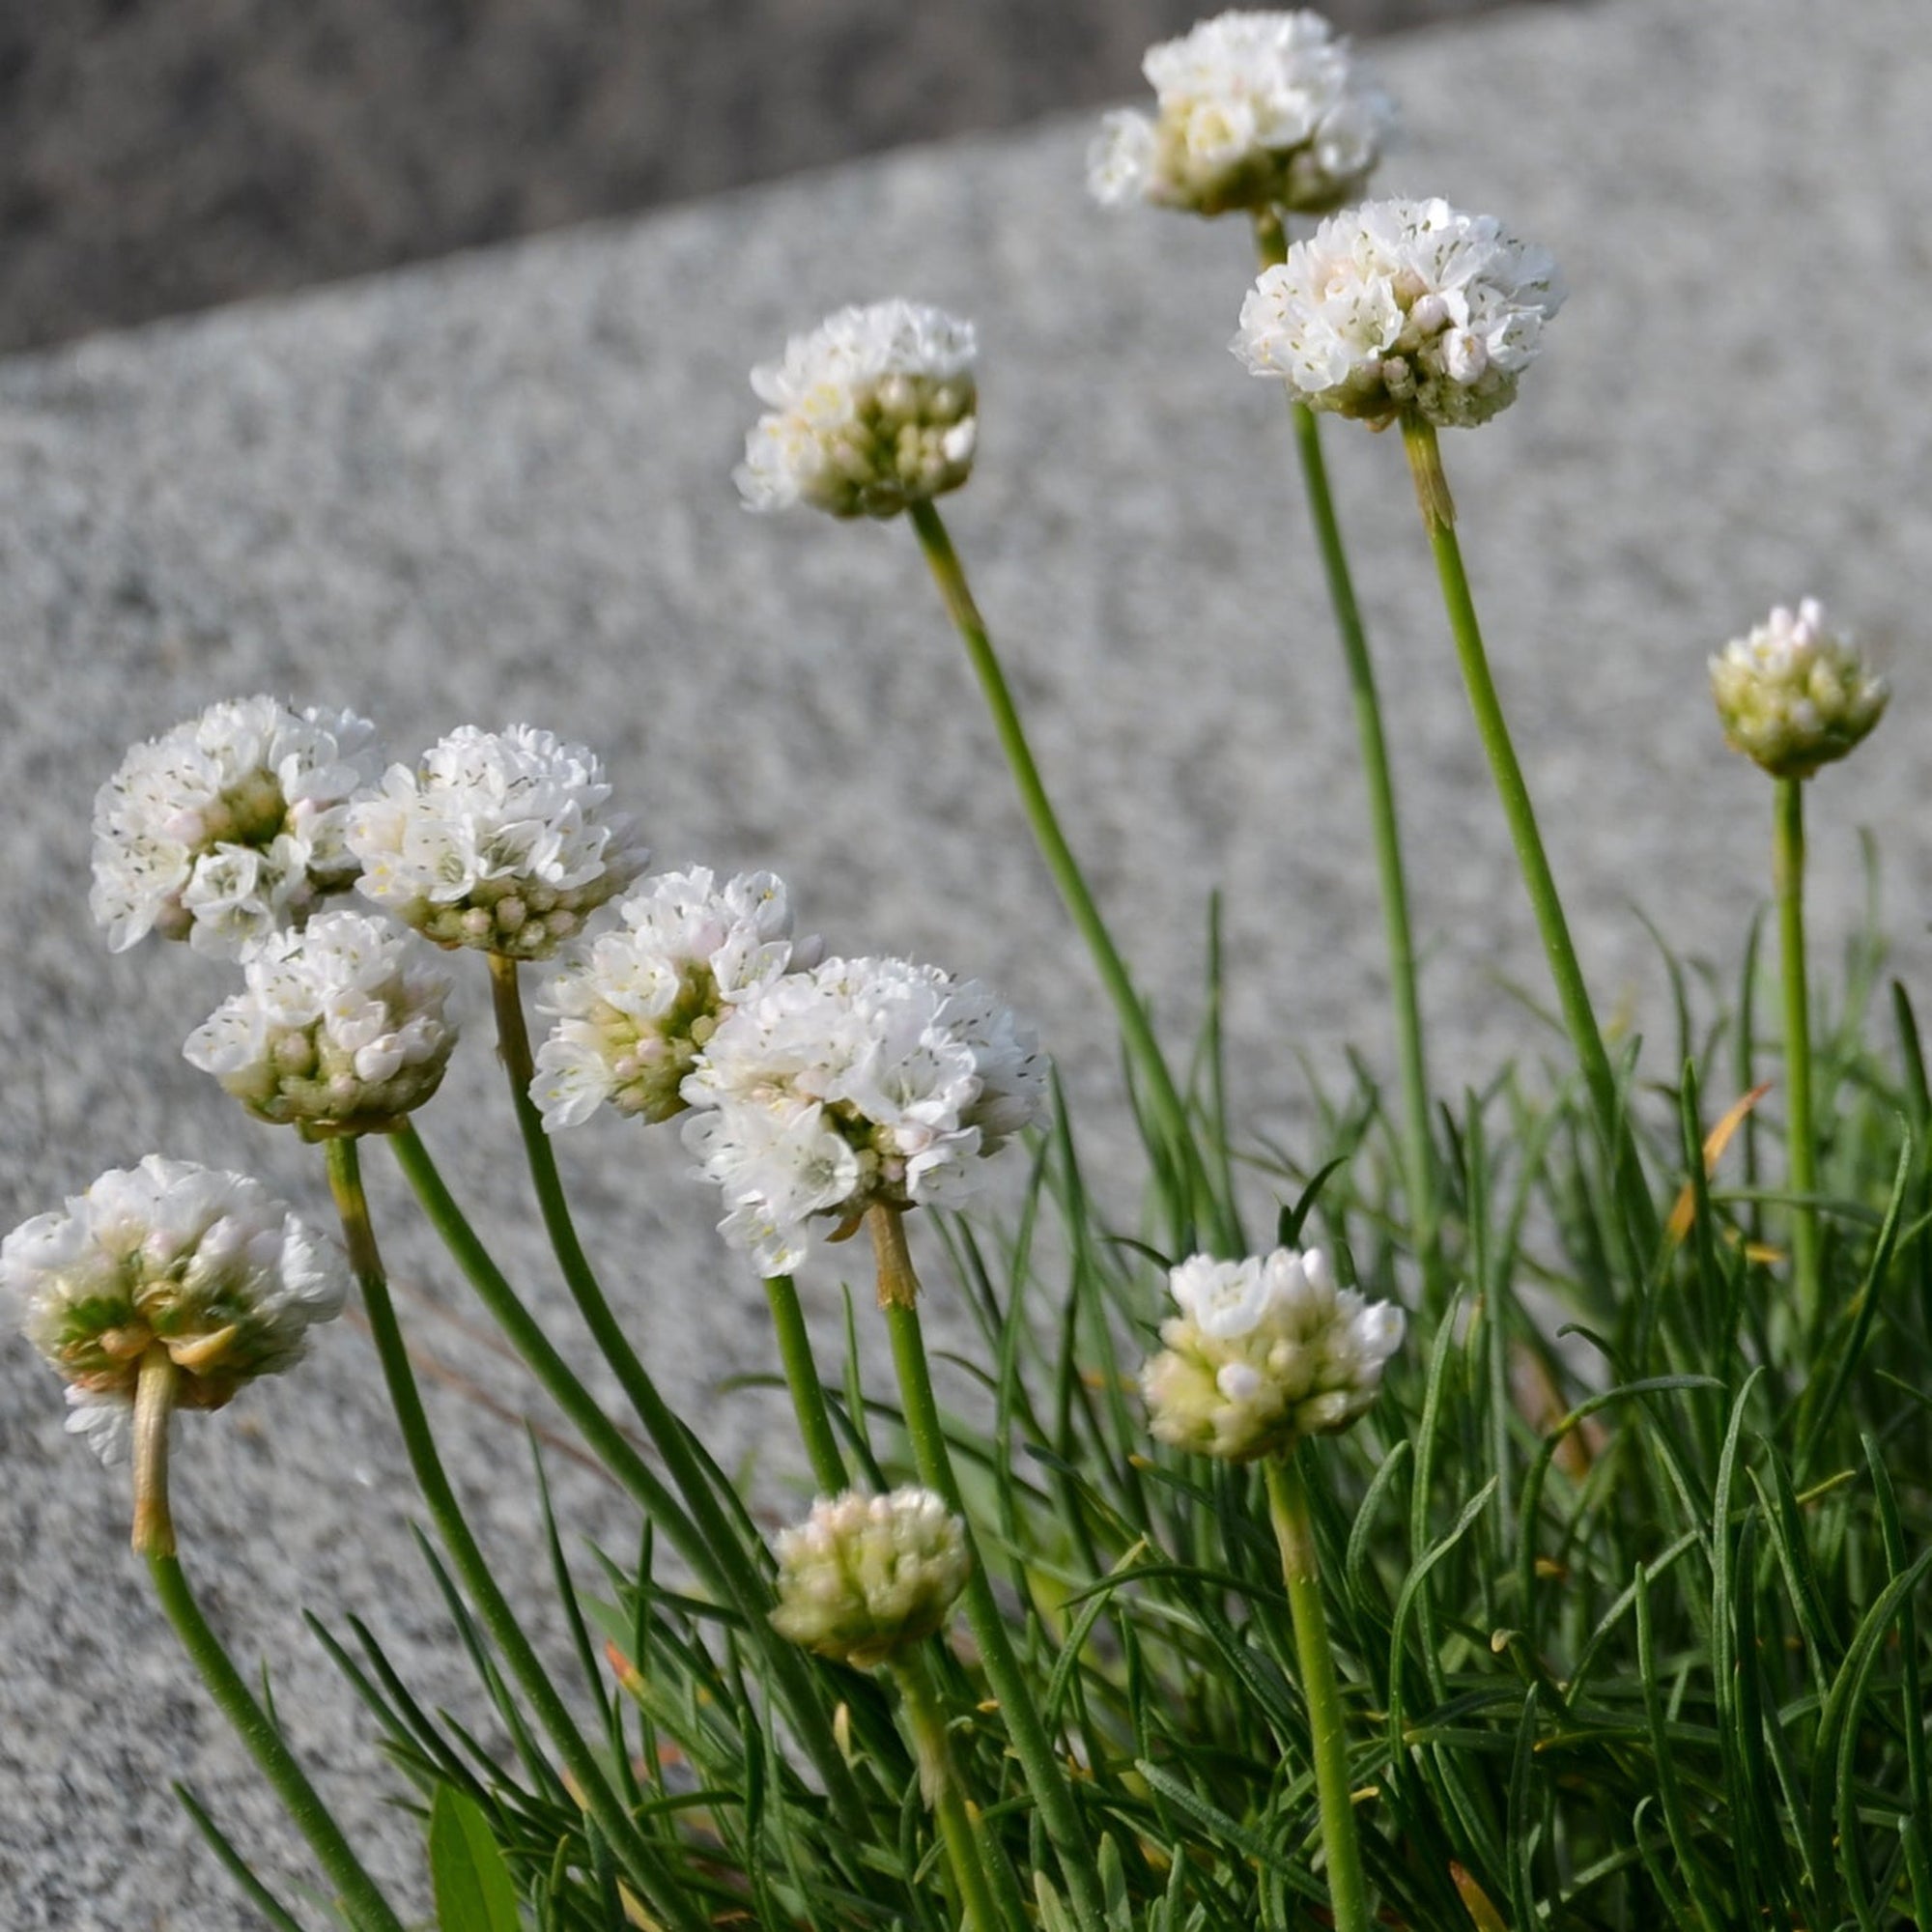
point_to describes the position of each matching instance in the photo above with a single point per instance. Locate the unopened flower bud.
(864, 1578)
(1263, 1353)
(1795, 695)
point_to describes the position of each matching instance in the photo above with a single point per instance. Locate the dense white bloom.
(1263, 1353)
(865, 1576)
(1257, 111)
(872, 411)
(208, 1264)
(1402, 305)
(634, 1008)
(861, 1082)
(339, 1029)
(1796, 695)
(496, 839)
(230, 826)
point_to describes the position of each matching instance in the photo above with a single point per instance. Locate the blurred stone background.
(160, 155)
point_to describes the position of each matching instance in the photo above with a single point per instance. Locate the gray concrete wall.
(167, 154)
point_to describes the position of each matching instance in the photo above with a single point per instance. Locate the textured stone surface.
(167, 154)
(497, 488)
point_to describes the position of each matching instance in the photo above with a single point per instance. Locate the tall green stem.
(939, 1782)
(356, 1890)
(1438, 516)
(899, 1290)
(156, 1382)
(1418, 1145)
(1328, 1737)
(807, 1392)
(1162, 1096)
(745, 1583)
(1787, 868)
(507, 1307)
(639, 1859)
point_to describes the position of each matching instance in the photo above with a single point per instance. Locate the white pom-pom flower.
(497, 839)
(872, 411)
(864, 1578)
(1796, 695)
(861, 1083)
(1258, 111)
(207, 1264)
(1401, 306)
(339, 1029)
(230, 826)
(1263, 1353)
(634, 1006)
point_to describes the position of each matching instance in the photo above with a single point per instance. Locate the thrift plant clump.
(1508, 1509)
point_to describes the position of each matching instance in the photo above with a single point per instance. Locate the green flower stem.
(155, 1384)
(939, 1784)
(1438, 516)
(1046, 1781)
(355, 1889)
(1787, 868)
(1418, 1145)
(746, 1584)
(640, 1861)
(807, 1392)
(505, 1307)
(1163, 1096)
(1295, 1533)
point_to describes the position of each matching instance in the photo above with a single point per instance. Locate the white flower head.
(496, 839)
(1263, 1353)
(874, 411)
(208, 1264)
(339, 1029)
(1402, 306)
(1257, 111)
(862, 1082)
(1795, 694)
(229, 826)
(864, 1578)
(634, 1006)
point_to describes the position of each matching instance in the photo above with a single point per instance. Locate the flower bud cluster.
(496, 840)
(864, 1577)
(872, 411)
(229, 826)
(635, 1006)
(1258, 111)
(339, 1029)
(1795, 695)
(1402, 306)
(1263, 1353)
(861, 1083)
(206, 1264)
